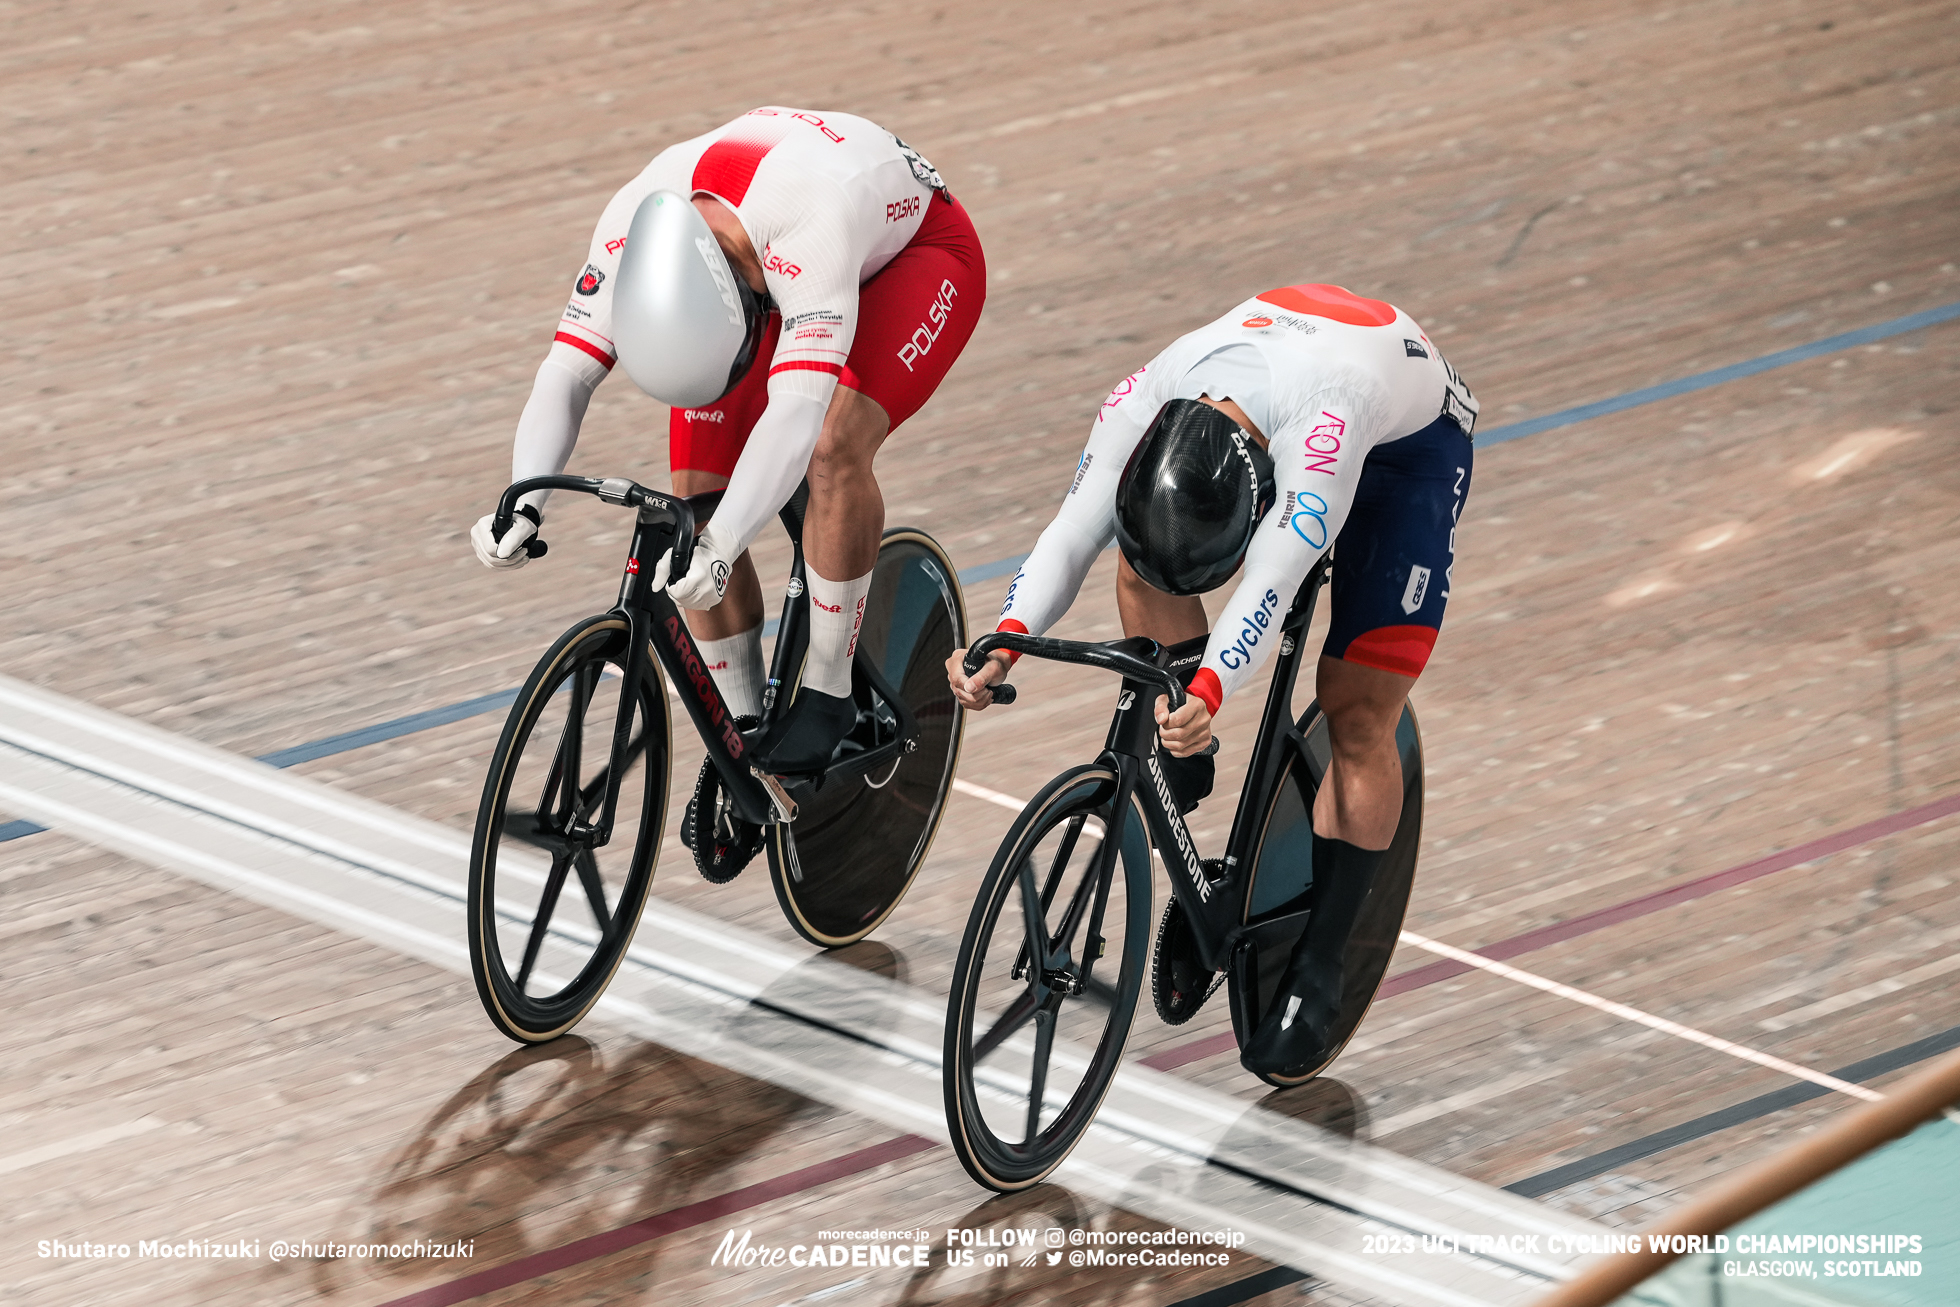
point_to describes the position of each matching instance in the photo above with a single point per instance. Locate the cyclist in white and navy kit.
(797, 285)
(1305, 418)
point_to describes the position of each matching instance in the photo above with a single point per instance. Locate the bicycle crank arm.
(778, 796)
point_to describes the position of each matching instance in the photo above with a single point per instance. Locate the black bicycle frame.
(1215, 908)
(666, 523)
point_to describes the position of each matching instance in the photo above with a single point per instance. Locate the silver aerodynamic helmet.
(685, 325)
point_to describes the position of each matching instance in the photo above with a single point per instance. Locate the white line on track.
(1164, 1147)
(78, 1144)
(1607, 1005)
(1635, 1015)
(995, 797)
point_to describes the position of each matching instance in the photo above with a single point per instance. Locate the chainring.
(723, 843)
(1179, 982)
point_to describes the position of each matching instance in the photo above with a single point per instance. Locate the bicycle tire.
(511, 898)
(859, 840)
(984, 981)
(1282, 874)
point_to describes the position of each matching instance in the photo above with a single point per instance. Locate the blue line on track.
(1733, 372)
(456, 712)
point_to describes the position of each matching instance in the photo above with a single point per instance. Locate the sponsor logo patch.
(925, 172)
(1301, 325)
(1416, 591)
(1306, 514)
(589, 283)
(1414, 349)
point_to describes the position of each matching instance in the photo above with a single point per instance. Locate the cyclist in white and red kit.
(801, 282)
(1306, 416)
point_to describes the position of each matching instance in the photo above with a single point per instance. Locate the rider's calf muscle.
(847, 510)
(1361, 800)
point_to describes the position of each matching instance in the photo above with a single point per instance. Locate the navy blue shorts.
(1393, 557)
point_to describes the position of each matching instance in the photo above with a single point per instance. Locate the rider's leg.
(729, 634)
(841, 530)
(1391, 583)
(846, 516)
(703, 445)
(1360, 801)
(1169, 620)
(914, 318)
(1146, 610)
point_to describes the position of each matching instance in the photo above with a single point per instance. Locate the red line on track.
(1586, 923)
(892, 1150)
(666, 1223)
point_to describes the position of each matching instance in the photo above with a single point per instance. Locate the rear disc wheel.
(860, 839)
(1280, 893)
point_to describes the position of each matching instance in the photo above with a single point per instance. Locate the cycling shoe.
(1294, 1035)
(802, 742)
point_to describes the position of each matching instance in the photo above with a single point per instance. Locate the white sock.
(737, 666)
(836, 613)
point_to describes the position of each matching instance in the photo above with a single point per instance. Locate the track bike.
(1058, 942)
(574, 806)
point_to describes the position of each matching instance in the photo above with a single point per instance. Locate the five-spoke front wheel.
(552, 900)
(1047, 980)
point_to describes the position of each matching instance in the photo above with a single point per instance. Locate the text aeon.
(1324, 444)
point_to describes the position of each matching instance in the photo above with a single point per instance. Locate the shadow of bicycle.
(553, 1143)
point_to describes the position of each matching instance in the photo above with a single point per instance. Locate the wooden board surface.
(278, 277)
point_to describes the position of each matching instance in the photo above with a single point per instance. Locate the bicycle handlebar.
(1071, 651)
(612, 490)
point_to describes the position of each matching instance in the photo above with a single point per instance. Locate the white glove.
(508, 552)
(707, 571)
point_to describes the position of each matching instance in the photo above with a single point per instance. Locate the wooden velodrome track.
(277, 277)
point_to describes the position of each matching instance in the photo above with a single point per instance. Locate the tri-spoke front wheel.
(1047, 980)
(555, 895)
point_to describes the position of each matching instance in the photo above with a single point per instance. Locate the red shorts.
(895, 358)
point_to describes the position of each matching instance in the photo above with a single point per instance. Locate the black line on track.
(1646, 1146)
(1748, 1110)
(1251, 1287)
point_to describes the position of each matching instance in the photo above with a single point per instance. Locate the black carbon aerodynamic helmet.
(1190, 497)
